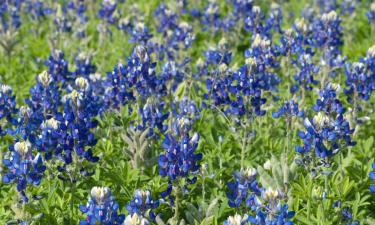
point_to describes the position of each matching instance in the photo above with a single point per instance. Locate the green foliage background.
(349, 183)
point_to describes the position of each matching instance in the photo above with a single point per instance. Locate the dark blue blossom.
(243, 189)
(327, 33)
(372, 178)
(328, 101)
(143, 204)
(359, 80)
(84, 66)
(23, 167)
(76, 136)
(265, 206)
(329, 131)
(107, 11)
(289, 109)
(58, 67)
(101, 208)
(371, 13)
(44, 100)
(305, 75)
(7, 102)
(153, 115)
(117, 90)
(10, 15)
(180, 159)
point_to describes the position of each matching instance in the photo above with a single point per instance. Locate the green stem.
(176, 203)
(72, 190)
(243, 149)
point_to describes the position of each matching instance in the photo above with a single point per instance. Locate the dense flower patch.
(178, 112)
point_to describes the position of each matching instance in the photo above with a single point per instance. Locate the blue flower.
(58, 67)
(44, 100)
(23, 167)
(153, 116)
(107, 11)
(10, 15)
(371, 13)
(84, 66)
(359, 80)
(117, 90)
(265, 205)
(289, 109)
(180, 159)
(7, 102)
(372, 178)
(304, 77)
(243, 189)
(143, 205)
(101, 208)
(328, 132)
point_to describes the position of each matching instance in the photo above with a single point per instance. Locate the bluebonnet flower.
(62, 22)
(185, 108)
(107, 11)
(211, 17)
(359, 80)
(84, 66)
(173, 74)
(166, 18)
(117, 90)
(7, 102)
(243, 189)
(218, 56)
(262, 53)
(143, 205)
(369, 60)
(348, 217)
(180, 159)
(48, 140)
(328, 36)
(372, 178)
(254, 21)
(326, 6)
(153, 116)
(23, 167)
(272, 211)
(101, 208)
(328, 132)
(347, 7)
(37, 9)
(58, 67)
(141, 74)
(44, 100)
(275, 18)
(182, 35)
(10, 15)
(328, 101)
(371, 13)
(77, 137)
(71, 17)
(289, 108)
(237, 220)
(304, 76)
(265, 205)
(78, 9)
(242, 8)
(140, 33)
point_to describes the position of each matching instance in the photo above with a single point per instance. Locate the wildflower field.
(187, 112)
